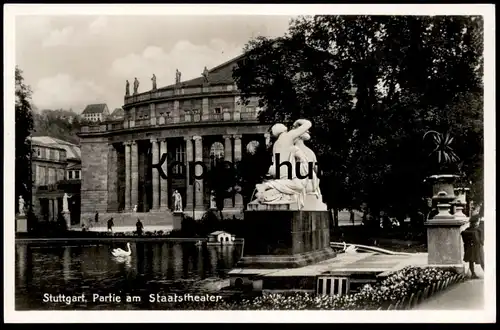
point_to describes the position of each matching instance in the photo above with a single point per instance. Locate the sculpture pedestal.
(285, 238)
(21, 223)
(178, 215)
(67, 218)
(444, 242)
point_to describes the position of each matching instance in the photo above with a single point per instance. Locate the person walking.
(110, 225)
(139, 227)
(473, 239)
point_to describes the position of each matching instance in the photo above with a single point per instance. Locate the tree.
(24, 125)
(372, 86)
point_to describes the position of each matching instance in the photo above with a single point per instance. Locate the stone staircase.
(129, 219)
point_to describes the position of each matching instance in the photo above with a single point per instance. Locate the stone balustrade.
(251, 116)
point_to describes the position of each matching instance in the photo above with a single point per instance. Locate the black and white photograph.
(249, 157)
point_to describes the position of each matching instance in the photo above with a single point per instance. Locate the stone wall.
(94, 176)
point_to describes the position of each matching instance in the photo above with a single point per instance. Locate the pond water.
(153, 268)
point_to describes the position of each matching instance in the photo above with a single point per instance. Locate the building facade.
(95, 112)
(56, 168)
(199, 120)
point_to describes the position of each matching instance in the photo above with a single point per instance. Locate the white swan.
(122, 253)
(350, 248)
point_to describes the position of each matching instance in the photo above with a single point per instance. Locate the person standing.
(96, 217)
(473, 239)
(110, 225)
(139, 227)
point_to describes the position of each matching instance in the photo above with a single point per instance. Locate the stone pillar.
(444, 242)
(51, 210)
(204, 109)
(112, 179)
(198, 185)
(152, 113)
(131, 122)
(128, 206)
(237, 148)
(228, 156)
(56, 210)
(134, 174)
(164, 182)
(189, 160)
(228, 150)
(238, 200)
(155, 150)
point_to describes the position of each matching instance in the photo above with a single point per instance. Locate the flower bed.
(401, 290)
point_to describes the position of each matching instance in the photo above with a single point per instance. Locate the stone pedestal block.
(178, 220)
(444, 243)
(285, 239)
(67, 219)
(21, 224)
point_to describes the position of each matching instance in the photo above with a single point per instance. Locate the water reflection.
(77, 269)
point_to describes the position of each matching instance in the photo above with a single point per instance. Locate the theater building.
(198, 120)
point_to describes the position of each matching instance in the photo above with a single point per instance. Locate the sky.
(72, 61)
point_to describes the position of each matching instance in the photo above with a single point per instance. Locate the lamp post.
(196, 185)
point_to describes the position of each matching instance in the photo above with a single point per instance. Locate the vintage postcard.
(334, 159)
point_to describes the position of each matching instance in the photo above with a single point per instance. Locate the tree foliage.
(24, 125)
(372, 86)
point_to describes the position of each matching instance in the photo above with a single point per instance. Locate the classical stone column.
(238, 200)
(56, 210)
(228, 150)
(152, 113)
(198, 185)
(155, 150)
(112, 179)
(51, 210)
(189, 160)
(164, 182)
(127, 177)
(237, 147)
(134, 174)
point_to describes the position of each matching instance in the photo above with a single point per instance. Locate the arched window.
(252, 147)
(216, 152)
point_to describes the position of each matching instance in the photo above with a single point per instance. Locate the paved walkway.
(122, 229)
(468, 295)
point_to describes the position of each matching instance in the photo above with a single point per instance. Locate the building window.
(70, 175)
(42, 178)
(77, 174)
(217, 110)
(216, 152)
(60, 174)
(38, 171)
(180, 158)
(52, 175)
(38, 152)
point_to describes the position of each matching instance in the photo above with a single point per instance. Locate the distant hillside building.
(95, 112)
(56, 169)
(118, 113)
